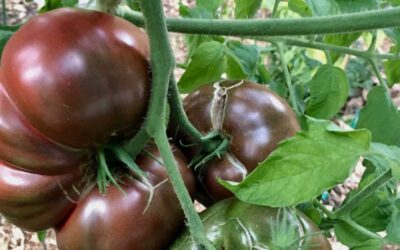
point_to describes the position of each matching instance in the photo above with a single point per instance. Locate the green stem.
(368, 20)
(275, 8)
(179, 115)
(137, 143)
(318, 204)
(288, 79)
(361, 229)
(162, 62)
(364, 193)
(196, 227)
(375, 68)
(329, 47)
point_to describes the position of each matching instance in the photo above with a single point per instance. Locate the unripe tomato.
(254, 119)
(78, 76)
(234, 225)
(121, 221)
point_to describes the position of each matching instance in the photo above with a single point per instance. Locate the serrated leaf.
(5, 35)
(206, 66)
(329, 89)
(323, 7)
(385, 157)
(246, 8)
(393, 229)
(211, 5)
(310, 155)
(300, 7)
(242, 60)
(380, 116)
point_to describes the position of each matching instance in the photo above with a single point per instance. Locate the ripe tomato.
(119, 221)
(252, 116)
(78, 76)
(231, 224)
(70, 80)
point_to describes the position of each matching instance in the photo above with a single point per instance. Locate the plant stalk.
(368, 20)
(163, 63)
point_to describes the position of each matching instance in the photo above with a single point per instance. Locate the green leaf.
(69, 3)
(371, 244)
(310, 155)
(201, 13)
(206, 66)
(350, 237)
(246, 8)
(349, 6)
(133, 4)
(323, 7)
(392, 70)
(5, 35)
(211, 5)
(242, 60)
(51, 5)
(393, 34)
(300, 7)
(380, 116)
(385, 157)
(393, 229)
(341, 40)
(329, 89)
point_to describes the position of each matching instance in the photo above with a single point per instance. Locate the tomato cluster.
(74, 81)
(71, 81)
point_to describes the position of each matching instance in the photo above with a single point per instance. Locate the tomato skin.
(117, 221)
(78, 76)
(36, 202)
(234, 225)
(255, 119)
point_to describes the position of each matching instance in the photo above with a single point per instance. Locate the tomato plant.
(232, 224)
(77, 98)
(251, 116)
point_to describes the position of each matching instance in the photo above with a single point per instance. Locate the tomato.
(232, 224)
(251, 116)
(78, 76)
(70, 81)
(119, 221)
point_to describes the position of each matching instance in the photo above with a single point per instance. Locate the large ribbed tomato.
(121, 221)
(251, 116)
(70, 80)
(78, 76)
(234, 225)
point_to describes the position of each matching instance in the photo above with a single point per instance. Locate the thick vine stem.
(162, 65)
(364, 193)
(179, 116)
(368, 20)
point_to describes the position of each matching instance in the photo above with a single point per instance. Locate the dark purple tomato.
(234, 225)
(78, 76)
(254, 119)
(36, 202)
(121, 221)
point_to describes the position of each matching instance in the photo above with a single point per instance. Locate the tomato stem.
(368, 20)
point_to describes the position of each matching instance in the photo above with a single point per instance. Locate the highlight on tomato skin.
(232, 224)
(131, 221)
(251, 116)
